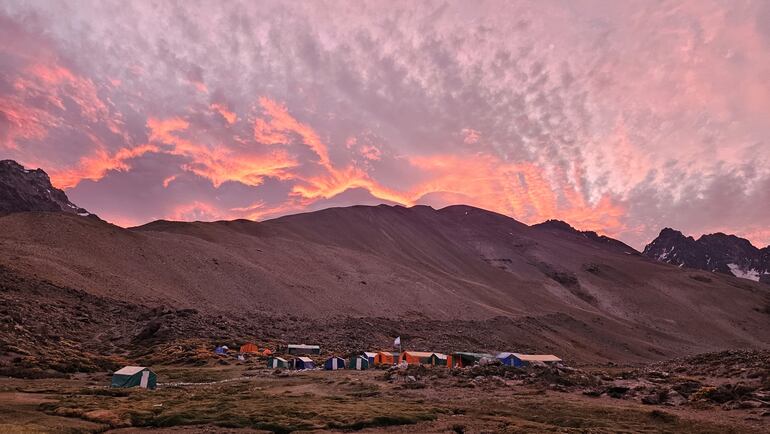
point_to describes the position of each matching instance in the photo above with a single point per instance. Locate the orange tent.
(415, 358)
(249, 348)
(386, 358)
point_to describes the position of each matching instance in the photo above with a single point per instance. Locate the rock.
(23, 190)
(617, 391)
(675, 398)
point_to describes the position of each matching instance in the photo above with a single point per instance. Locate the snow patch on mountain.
(744, 274)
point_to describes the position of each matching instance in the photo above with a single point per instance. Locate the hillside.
(556, 289)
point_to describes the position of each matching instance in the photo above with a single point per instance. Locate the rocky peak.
(24, 190)
(718, 252)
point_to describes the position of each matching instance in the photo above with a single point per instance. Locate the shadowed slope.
(583, 294)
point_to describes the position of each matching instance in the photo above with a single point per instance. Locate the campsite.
(297, 387)
(492, 398)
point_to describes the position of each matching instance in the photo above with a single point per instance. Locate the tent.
(303, 363)
(249, 348)
(518, 360)
(277, 363)
(438, 359)
(461, 359)
(299, 350)
(386, 358)
(221, 350)
(334, 363)
(359, 363)
(132, 376)
(415, 357)
(369, 356)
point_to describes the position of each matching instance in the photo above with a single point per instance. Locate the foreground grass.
(347, 402)
(268, 405)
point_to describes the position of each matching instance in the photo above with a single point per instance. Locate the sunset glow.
(619, 117)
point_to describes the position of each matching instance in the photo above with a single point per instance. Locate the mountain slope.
(548, 286)
(721, 253)
(459, 263)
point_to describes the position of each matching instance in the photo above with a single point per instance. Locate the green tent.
(133, 376)
(277, 362)
(359, 363)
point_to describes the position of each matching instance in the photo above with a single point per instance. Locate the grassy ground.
(330, 401)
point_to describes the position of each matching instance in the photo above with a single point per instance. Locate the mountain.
(456, 277)
(31, 190)
(720, 253)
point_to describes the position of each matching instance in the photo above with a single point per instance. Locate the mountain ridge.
(717, 252)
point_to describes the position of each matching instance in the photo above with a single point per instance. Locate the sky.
(620, 117)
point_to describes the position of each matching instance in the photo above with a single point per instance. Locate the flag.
(397, 342)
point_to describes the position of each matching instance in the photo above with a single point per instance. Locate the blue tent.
(518, 360)
(334, 363)
(303, 363)
(221, 350)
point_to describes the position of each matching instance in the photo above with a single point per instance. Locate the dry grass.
(345, 401)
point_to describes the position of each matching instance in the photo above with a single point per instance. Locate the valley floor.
(242, 397)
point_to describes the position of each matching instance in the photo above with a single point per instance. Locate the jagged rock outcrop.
(24, 189)
(720, 253)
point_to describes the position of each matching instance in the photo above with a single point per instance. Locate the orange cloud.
(169, 180)
(222, 109)
(282, 123)
(196, 211)
(522, 190)
(219, 163)
(95, 166)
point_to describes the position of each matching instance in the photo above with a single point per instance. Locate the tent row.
(331, 364)
(252, 348)
(386, 358)
(458, 359)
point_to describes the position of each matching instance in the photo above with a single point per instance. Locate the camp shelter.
(438, 359)
(369, 356)
(334, 363)
(303, 363)
(463, 359)
(221, 350)
(415, 357)
(519, 360)
(302, 349)
(359, 363)
(133, 376)
(277, 363)
(249, 348)
(386, 358)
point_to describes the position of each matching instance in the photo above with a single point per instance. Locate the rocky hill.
(720, 253)
(31, 190)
